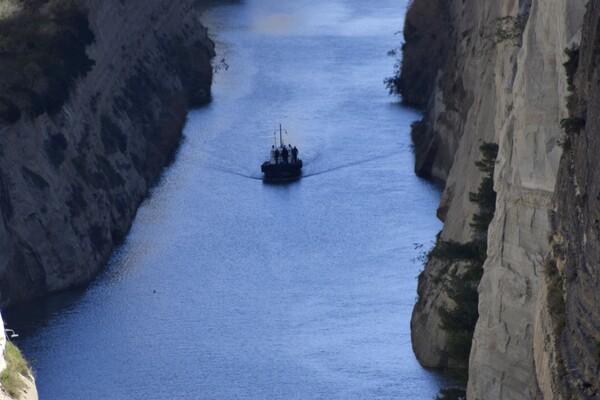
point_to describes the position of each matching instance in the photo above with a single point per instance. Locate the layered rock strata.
(70, 183)
(503, 82)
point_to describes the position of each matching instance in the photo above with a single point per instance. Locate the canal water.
(229, 288)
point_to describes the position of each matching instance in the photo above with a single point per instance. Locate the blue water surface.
(229, 288)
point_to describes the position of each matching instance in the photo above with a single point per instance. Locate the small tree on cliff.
(392, 83)
(459, 321)
(485, 196)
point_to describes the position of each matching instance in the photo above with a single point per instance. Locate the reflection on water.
(274, 24)
(227, 288)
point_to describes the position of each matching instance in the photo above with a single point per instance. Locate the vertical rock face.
(70, 183)
(424, 51)
(462, 116)
(502, 359)
(577, 231)
(508, 59)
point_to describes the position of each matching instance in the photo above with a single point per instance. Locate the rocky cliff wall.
(70, 183)
(503, 363)
(461, 115)
(509, 62)
(573, 308)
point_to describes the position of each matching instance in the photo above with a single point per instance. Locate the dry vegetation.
(14, 375)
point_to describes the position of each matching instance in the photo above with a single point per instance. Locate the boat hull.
(281, 172)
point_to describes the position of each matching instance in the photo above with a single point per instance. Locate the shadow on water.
(33, 316)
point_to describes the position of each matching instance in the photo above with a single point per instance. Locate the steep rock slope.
(573, 309)
(70, 183)
(503, 364)
(468, 68)
(508, 61)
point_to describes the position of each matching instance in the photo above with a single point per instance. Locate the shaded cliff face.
(509, 60)
(70, 183)
(435, 54)
(576, 342)
(424, 50)
(461, 121)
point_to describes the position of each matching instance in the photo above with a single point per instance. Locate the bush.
(571, 65)
(452, 251)
(556, 302)
(393, 83)
(572, 125)
(459, 320)
(16, 369)
(485, 196)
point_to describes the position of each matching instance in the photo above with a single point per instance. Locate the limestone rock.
(70, 183)
(508, 60)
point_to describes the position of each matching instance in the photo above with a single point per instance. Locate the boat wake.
(308, 163)
(348, 165)
(238, 173)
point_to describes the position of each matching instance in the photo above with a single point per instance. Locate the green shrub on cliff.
(459, 320)
(571, 65)
(16, 369)
(556, 302)
(393, 82)
(573, 124)
(485, 196)
(451, 251)
(42, 51)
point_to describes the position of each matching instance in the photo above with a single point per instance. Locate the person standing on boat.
(276, 154)
(284, 154)
(294, 154)
(289, 149)
(273, 158)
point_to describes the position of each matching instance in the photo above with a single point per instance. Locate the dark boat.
(282, 169)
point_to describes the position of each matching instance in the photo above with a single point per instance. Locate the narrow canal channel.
(227, 288)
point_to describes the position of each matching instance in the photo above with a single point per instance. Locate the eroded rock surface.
(574, 328)
(70, 183)
(508, 61)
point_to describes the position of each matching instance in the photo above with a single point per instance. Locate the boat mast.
(280, 136)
